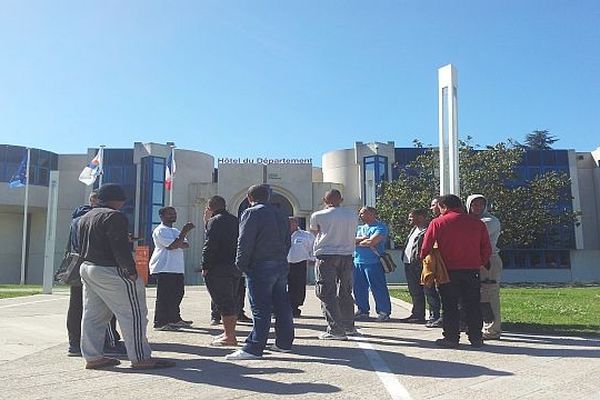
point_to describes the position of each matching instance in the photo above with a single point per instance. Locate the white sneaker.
(331, 336)
(241, 355)
(277, 349)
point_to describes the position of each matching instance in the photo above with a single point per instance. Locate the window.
(152, 196)
(41, 162)
(374, 172)
(119, 168)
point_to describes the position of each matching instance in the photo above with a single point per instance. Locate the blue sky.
(293, 79)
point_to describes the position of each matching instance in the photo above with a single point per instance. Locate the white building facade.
(298, 187)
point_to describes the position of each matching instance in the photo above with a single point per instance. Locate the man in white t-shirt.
(168, 266)
(301, 251)
(335, 229)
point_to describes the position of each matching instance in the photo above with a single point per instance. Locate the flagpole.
(25, 207)
(172, 175)
(101, 166)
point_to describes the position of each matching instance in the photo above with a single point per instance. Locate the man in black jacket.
(218, 267)
(111, 284)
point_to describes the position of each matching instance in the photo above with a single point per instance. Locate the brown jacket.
(434, 269)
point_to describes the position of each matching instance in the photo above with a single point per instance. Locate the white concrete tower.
(448, 130)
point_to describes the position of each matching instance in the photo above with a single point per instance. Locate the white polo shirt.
(302, 246)
(163, 259)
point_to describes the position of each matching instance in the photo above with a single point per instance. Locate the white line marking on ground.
(393, 386)
(32, 302)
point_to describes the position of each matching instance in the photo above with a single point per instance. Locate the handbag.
(387, 262)
(68, 271)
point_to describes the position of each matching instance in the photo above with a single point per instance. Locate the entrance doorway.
(277, 200)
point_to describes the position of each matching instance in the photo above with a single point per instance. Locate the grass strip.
(549, 310)
(17, 293)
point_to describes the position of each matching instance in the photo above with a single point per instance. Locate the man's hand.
(187, 227)
(132, 277)
(207, 214)
(204, 272)
(487, 265)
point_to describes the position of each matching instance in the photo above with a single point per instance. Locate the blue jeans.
(371, 276)
(267, 292)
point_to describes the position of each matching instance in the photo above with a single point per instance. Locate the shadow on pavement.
(587, 348)
(238, 376)
(397, 362)
(347, 356)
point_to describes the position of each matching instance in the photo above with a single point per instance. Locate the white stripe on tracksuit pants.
(107, 291)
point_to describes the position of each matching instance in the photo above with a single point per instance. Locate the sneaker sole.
(340, 338)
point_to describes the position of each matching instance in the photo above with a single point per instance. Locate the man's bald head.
(333, 198)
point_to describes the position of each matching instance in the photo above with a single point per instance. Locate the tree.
(540, 140)
(527, 209)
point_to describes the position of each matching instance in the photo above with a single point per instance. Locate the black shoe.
(117, 350)
(434, 323)
(74, 350)
(244, 318)
(477, 343)
(296, 313)
(447, 344)
(412, 320)
(215, 321)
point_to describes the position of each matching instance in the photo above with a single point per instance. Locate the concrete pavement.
(390, 360)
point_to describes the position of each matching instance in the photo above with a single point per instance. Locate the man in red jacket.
(465, 247)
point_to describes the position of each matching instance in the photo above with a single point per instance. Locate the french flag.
(169, 172)
(93, 169)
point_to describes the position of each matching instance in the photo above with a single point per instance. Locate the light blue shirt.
(365, 255)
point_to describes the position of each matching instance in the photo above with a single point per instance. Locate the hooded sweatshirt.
(491, 222)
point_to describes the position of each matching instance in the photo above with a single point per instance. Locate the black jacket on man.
(104, 239)
(218, 253)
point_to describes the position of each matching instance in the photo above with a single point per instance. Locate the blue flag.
(19, 178)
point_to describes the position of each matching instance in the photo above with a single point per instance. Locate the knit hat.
(111, 192)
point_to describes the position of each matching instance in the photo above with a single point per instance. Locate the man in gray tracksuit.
(111, 284)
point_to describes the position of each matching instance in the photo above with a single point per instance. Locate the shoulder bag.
(386, 261)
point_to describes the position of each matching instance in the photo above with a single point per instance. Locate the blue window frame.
(118, 167)
(152, 196)
(40, 164)
(374, 172)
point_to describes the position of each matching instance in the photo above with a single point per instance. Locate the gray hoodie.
(492, 223)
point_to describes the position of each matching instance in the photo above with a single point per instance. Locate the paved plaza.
(389, 360)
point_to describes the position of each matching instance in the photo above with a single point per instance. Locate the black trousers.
(169, 293)
(297, 284)
(419, 293)
(463, 285)
(240, 301)
(74, 314)
(223, 290)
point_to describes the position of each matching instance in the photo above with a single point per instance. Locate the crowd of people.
(266, 255)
